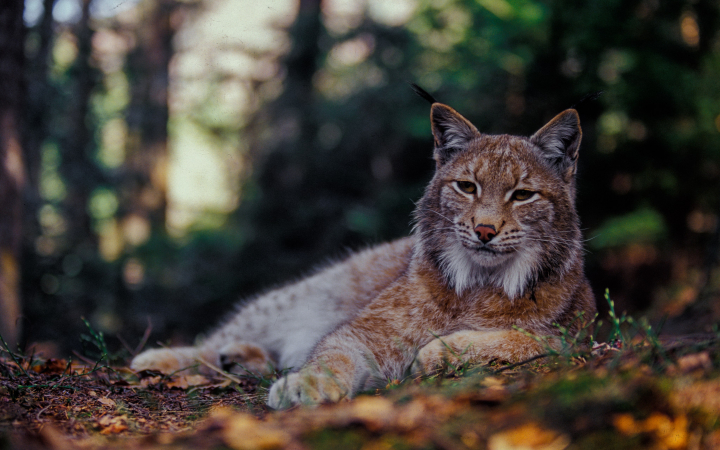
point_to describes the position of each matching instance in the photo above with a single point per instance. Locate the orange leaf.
(528, 437)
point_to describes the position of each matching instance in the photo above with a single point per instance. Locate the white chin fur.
(466, 269)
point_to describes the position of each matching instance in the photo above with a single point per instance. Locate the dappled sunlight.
(211, 77)
(201, 176)
(112, 149)
(395, 13)
(500, 8)
(690, 30)
(110, 239)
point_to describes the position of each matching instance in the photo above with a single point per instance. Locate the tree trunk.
(148, 115)
(78, 167)
(12, 170)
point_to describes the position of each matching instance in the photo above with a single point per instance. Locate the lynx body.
(496, 246)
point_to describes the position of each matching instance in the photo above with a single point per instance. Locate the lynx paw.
(166, 360)
(435, 356)
(475, 347)
(243, 358)
(306, 388)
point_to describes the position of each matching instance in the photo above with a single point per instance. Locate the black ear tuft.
(423, 93)
(587, 98)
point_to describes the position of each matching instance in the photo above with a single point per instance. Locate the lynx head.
(500, 209)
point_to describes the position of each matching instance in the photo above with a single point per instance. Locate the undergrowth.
(606, 385)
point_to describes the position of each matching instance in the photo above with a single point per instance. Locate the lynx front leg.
(312, 385)
(475, 347)
(338, 369)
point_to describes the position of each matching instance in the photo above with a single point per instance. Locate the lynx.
(496, 248)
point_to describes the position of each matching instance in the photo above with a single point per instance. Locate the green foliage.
(642, 226)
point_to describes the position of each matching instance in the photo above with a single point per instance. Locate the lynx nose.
(485, 232)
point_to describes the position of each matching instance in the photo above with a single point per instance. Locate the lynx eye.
(466, 186)
(522, 194)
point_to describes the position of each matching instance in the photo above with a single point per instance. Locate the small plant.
(616, 336)
(16, 358)
(449, 368)
(96, 339)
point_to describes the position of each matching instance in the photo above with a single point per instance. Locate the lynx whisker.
(433, 211)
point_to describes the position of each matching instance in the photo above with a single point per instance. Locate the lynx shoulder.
(496, 246)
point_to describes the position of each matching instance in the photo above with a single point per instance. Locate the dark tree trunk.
(79, 169)
(12, 169)
(148, 115)
(38, 93)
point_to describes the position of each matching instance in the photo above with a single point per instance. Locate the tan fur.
(375, 316)
(475, 347)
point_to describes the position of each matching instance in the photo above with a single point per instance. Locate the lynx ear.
(452, 132)
(559, 142)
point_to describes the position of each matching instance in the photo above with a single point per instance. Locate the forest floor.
(637, 392)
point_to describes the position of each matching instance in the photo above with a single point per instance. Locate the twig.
(215, 368)
(37, 416)
(125, 344)
(145, 338)
(87, 361)
(518, 364)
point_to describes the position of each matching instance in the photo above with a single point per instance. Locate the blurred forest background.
(162, 159)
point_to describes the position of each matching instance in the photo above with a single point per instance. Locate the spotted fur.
(396, 308)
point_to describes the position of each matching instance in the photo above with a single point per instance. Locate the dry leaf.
(52, 366)
(672, 433)
(702, 394)
(411, 415)
(112, 424)
(110, 403)
(374, 412)
(690, 363)
(492, 382)
(150, 381)
(528, 437)
(625, 423)
(185, 381)
(242, 431)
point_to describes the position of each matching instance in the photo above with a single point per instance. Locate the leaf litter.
(630, 393)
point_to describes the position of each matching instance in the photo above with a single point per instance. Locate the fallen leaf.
(493, 395)
(52, 366)
(673, 433)
(625, 423)
(695, 361)
(112, 424)
(150, 381)
(528, 437)
(110, 403)
(492, 382)
(185, 381)
(703, 394)
(242, 431)
(410, 415)
(374, 412)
